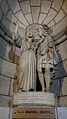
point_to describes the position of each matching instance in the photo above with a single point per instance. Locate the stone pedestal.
(34, 98)
(36, 105)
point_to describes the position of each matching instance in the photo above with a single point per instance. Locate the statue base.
(34, 98)
(36, 105)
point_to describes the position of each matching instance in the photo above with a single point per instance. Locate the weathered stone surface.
(1, 32)
(35, 13)
(25, 6)
(5, 49)
(11, 68)
(61, 69)
(4, 85)
(55, 87)
(1, 61)
(63, 50)
(1, 13)
(50, 16)
(46, 5)
(35, 98)
(4, 6)
(62, 112)
(14, 5)
(4, 112)
(64, 87)
(65, 65)
(63, 101)
(35, 2)
(11, 87)
(17, 55)
(59, 16)
(11, 113)
(65, 6)
(3, 46)
(57, 4)
(4, 101)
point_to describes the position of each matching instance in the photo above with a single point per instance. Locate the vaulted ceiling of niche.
(27, 12)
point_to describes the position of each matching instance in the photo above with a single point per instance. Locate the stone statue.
(39, 60)
(44, 62)
(46, 55)
(27, 63)
(27, 66)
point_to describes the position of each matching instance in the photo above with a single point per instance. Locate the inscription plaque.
(34, 113)
(35, 98)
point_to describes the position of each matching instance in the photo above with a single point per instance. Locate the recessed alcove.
(31, 14)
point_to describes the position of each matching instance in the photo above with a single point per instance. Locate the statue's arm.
(17, 39)
(41, 40)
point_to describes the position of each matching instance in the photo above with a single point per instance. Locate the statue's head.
(47, 30)
(45, 27)
(29, 34)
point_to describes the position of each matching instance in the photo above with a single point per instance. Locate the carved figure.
(27, 63)
(45, 57)
(27, 77)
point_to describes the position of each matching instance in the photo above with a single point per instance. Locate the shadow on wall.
(14, 58)
(57, 80)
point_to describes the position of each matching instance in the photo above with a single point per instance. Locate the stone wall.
(9, 58)
(63, 79)
(8, 65)
(5, 113)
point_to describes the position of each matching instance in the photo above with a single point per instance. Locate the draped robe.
(27, 63)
